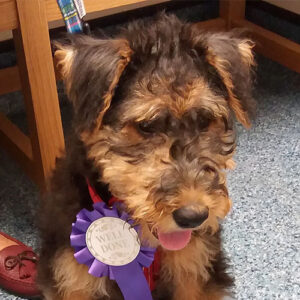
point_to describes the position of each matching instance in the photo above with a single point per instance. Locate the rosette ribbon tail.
(131, 281)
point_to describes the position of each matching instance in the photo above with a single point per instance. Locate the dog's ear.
(231, 55)
(91, 69)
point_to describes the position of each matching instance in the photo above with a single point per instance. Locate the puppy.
(153, 125)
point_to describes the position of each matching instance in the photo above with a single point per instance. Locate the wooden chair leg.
(232, 10)
(39, 87)
(268, 43)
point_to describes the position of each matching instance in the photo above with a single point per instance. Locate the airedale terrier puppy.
(153, 125)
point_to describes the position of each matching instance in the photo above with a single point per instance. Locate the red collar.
(96, 197)
(152, 272)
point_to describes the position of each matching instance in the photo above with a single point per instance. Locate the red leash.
(152, 272)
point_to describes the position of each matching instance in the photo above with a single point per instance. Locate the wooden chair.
(268, 43)
(34, 74)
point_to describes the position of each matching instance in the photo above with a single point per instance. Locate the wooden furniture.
(290, 5)
(34, 74)
(268, 43)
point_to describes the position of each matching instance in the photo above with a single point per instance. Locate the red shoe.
(18, 269)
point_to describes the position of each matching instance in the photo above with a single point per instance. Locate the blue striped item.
(70, 15)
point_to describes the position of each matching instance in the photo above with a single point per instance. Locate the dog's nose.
(189, 217)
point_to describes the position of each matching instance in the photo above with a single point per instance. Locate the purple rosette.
(129, 276)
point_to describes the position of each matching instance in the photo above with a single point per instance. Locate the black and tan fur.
(154, 112)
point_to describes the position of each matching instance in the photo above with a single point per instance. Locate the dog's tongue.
(175, 240)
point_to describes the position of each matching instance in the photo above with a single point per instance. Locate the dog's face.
(155, 111)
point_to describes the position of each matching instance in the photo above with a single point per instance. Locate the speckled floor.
(262, 233)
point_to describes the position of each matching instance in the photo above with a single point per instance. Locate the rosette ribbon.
(130, 277)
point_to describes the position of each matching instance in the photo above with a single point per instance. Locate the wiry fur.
(154, 126)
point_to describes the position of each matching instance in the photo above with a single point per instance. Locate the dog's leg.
(187, 269)
(77, 296)
(188, 290)
(193, 272)
(193, 290)
(72, 281)
(213, 295)
(72, 296)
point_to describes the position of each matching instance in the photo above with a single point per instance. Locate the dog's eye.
(156, 125)
(203, 123)
(146, 127)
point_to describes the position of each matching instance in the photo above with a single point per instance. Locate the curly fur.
(154, 126)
